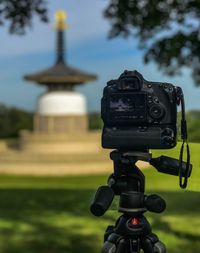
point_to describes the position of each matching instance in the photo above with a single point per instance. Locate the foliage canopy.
(19, 13)
(168, 31)
(12, 120)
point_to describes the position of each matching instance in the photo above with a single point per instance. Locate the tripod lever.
(102, 200)
(168, 165)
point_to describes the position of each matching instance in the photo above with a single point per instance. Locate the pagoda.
(60, 110)
(60, 120)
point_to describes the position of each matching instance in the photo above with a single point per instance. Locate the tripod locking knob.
(155, 203)
(102, 200)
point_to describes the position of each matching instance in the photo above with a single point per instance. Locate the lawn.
(51, 215)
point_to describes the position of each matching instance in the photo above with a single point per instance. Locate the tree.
(19, 13)
(94, 121)
(168, 31)
(12, 120)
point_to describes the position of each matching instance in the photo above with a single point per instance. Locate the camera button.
(156, 112)
(168, 141)
(156, 100)
(150, 99)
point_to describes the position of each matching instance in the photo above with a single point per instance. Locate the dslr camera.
(139, 114)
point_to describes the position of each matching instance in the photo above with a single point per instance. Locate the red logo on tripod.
(134, 221)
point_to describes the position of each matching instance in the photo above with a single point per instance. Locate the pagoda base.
(42, 143)
(60, 125)
(43, 155)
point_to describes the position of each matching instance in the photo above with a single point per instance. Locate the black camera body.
(139, 114)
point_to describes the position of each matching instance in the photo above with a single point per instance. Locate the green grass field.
(51, 215)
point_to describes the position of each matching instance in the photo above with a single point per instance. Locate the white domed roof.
(61, 103)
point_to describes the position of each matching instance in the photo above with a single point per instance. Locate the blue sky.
(87, 48)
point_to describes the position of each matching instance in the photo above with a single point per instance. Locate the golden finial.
(60, 18)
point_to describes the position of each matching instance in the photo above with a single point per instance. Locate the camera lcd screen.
(128, 106)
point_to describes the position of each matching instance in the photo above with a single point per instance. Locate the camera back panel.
(138, 114)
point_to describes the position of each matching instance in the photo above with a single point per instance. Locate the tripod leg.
(151, 244)
(114, 244)
(109, 231)
(159, 247)
(147, 246)
(109, 247)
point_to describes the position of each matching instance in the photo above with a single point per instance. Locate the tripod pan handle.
(169, 165)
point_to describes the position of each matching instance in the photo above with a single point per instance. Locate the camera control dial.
(168, 137)
(156, 111)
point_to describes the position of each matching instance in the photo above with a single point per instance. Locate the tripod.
(132, 232)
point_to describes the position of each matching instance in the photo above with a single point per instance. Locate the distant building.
(60, 109)
(60, 121)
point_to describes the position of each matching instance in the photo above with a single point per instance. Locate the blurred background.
(55, 59)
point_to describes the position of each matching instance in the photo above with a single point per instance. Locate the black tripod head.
(128, 182)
